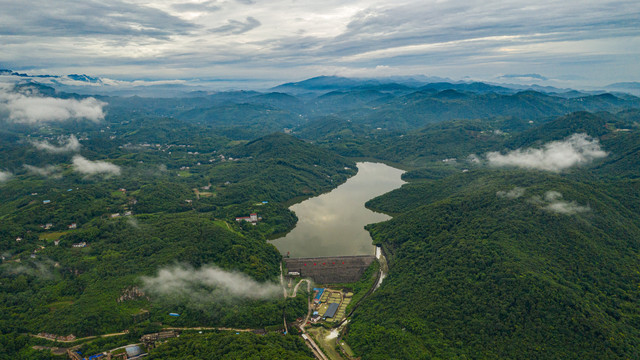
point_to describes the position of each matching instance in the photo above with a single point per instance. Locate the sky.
(560, 43)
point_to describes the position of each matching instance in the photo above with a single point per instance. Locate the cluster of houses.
(48, 226)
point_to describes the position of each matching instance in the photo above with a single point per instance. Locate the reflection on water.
(333, 223)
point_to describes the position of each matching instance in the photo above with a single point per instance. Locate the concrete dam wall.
(331, 269)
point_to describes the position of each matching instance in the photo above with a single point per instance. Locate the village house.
(252, 218)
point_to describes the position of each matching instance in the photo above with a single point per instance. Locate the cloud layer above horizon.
(186, 39)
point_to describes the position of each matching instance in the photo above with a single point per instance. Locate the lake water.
(333, 223)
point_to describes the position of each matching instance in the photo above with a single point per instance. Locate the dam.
(330, 269)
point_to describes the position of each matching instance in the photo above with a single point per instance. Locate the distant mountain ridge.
(94, 85)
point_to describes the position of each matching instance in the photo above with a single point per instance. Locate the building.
(73, 226)
(331, 311)
(319, 292)
(252, 218)
(133, 351)
(80, 245)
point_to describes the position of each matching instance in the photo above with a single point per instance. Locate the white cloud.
(552, 196)
(34, 108)
(5, 176)
(70, 144)
(173, 39)
(514, 193)
(553, 202)
(209, 283)
(88, 167)
(52, 171)
(577, 149)
(473, 158)
(567, 208)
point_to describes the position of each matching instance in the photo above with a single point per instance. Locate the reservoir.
(332, 224)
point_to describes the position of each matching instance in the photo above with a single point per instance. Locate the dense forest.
(490, 255)
(234, 346)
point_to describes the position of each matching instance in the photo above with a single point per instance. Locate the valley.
(508, 220)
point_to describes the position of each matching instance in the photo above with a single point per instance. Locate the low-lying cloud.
(514, 193)
(34, 108)
(207, 284)
(43, 269)
(66, 144)
(553, 202)
(48, 171)
(88, 167)
(577, 149)
(5, 176)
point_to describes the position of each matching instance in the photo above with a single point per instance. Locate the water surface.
(333, 224)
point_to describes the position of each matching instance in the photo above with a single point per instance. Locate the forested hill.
(516, 236)
(511, 264)
(89, 208)
(279, 167)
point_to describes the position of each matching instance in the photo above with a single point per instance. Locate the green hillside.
(476, 275)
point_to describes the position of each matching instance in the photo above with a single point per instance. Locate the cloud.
(5, 176)
(297, 39)
(133, 222)
(473, 158)
(67, 144)
(577, 149)
(553, 202)
(43, 269)
(88, 167)
(514, 193)
(207, 284)
(51, 171)
(207, 6)
(567, 208)
(524, 76)
(552, 196)
(238, 27)
(33, 108)
(83, 18)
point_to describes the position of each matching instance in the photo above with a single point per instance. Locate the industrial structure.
(330, 269)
